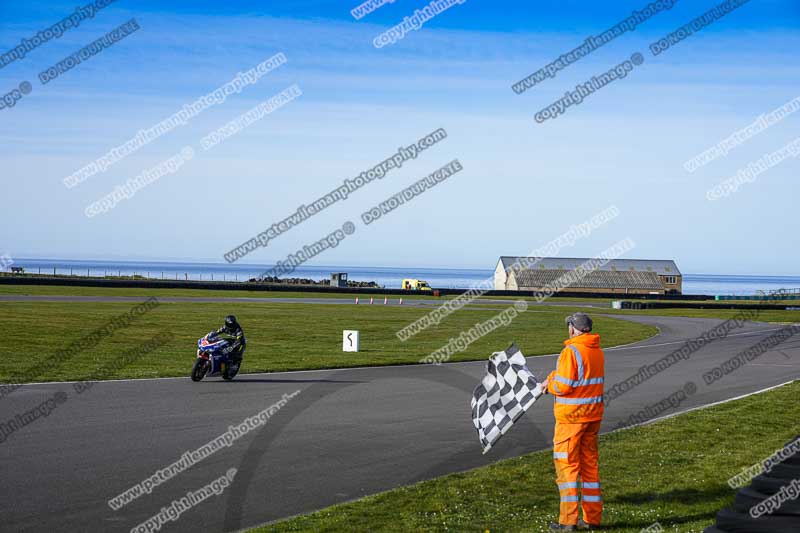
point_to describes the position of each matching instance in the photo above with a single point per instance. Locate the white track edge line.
(705, 406)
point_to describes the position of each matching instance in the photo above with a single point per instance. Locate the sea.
(389, 277)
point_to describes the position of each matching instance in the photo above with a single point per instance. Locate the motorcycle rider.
(234, 333)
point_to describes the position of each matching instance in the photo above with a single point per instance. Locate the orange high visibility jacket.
(577, 381)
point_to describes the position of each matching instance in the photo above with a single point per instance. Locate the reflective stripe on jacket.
(577, 381)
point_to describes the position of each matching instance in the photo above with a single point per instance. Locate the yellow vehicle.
(415, 285)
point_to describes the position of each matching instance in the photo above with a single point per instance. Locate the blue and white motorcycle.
(213, 358)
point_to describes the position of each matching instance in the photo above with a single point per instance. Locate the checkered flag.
(507, 390)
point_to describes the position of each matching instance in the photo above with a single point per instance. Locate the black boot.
(555, 526)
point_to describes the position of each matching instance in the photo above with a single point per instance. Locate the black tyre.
(199, 369)
(735, 522)
(231, 369)
(793, 460)
(766, 484)
(714, 529)
(748, 498)
(785, 471)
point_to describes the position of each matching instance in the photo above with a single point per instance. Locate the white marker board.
(350, 341)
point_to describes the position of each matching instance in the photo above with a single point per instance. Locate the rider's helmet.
(231, 323)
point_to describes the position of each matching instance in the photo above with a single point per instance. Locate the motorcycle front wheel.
(199, 369)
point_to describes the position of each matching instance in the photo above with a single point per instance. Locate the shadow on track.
(445, 375)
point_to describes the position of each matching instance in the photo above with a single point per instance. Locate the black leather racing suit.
(236, 337)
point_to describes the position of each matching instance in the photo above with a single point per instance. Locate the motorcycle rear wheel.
(230, 371)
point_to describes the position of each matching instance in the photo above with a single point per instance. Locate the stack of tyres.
(784, 518)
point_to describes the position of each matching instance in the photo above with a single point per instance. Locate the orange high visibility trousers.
(576, 458)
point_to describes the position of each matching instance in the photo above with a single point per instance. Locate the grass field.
(132, 291)
(283, 336)
(673, 472)
(64, 290)
(42, 290)
(280, 336)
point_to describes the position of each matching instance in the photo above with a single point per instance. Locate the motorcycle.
(213, 358)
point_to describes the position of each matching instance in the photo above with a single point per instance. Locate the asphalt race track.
(347, 434)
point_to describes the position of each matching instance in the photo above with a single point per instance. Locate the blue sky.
(523, 183)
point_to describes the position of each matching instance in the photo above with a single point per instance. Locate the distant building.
(621, 276)
(338, 279)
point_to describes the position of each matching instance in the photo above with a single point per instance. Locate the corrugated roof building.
(621, 276)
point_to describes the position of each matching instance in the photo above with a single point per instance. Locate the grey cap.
(580, 321)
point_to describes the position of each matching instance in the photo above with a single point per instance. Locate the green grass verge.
(674, 472)
(55, 290)
(280, 336)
